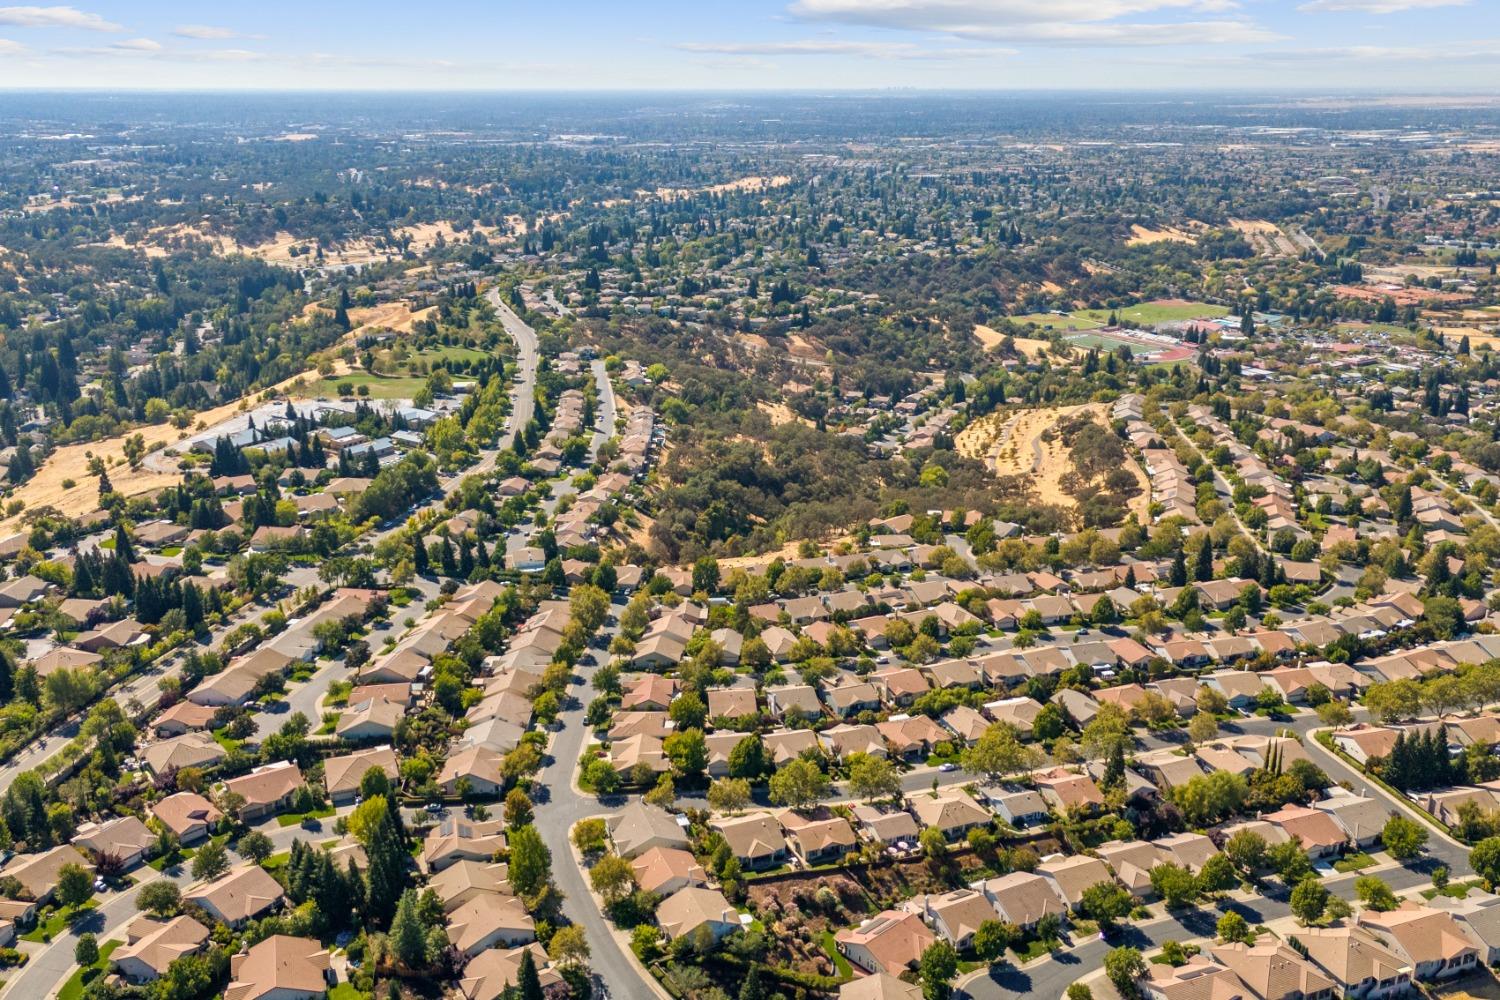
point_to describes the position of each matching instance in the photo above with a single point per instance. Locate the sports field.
(1056, 322)
(1160, 311)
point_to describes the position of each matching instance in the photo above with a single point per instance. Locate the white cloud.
(1377, 6)
(871, 50)
(204, 32)
(10, 48)
(55, 17)
(138, 45)
(1047, 22)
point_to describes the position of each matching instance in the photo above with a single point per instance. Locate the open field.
(730, 187)
(1159, 311)
(991, 339)
(418, 238)
(381, 387)
(1056, 322)
(1014, 445)
(1265, 237)
(1166, 234)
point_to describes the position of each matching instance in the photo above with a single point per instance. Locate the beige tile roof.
(687, 909)
(1273, 971)
(279, 965)
(151, 944)
(894, 938)
(181, 811)
(1421, 932)
(242, 893)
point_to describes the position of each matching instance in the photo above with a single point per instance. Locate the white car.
(947, 767)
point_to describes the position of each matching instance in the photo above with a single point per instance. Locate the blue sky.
(1422, 45)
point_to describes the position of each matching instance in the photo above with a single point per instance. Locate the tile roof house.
(955, 915)
(192, 750)
(687, 909)
(490, 973)
(243, 893)
(637, 828)
(889, 942)
(1065, 790)
(457, 838)
(342, 775)
(461, 881)
(1314, 829)
(1274, 971)
(1478, 916)
(1199, 978)
(1024, 898)
(487, 920)
(1354, 958)
(1430, 940)
(756, 839)
(37, 873)
(664, 870)
(279, 968)
(124, 839)
(188, 815)
(1071, 876)
(881, 986)
(951, 811)
(1361, 818)
(151, 945)
(266, 790)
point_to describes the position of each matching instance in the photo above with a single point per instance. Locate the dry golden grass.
(1166, 234)
(1014, 445)
(990, 339)
(743, 184)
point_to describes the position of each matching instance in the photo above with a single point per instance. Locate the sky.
(694, 45)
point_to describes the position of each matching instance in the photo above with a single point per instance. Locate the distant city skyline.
(1324, 45)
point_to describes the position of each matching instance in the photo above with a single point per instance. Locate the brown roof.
(279, 964)
(180, 811)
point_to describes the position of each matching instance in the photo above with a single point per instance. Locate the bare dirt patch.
(1017, 444)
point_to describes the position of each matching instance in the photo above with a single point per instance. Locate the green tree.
(1232, 927)
(1217, 874)
(1375, 893)
(528, 982)
(1124, 967)
(160, 899)
(74, 885)
(1174, 884)
(1485, 860)
(799, 784)
(872, 777)
(688, 751)
(613, 878)
(1403, 837)
(1247, 850)
(936, 969)
(1309, 900)
(991, 939)
(255, 845)
(729, 795)
(1288, 860)
(86, 951)
(408, 936)
(530, 861)
(997, 753)
(1105, 902)
(210, 862)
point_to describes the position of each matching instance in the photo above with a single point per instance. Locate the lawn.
(46, 930)
(73, 988)
(1055, 322)
(222, 737)
(292, 819)
(345, 991)
(1151, 313)
(435, 356)
(380, 386)
(277, 861)
(1031, 950)
(1353, 862)
(839, 961)
(1457, 890)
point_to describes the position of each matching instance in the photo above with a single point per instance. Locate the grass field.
(1101, 340)
(438, 355)
(380, 388)
(1162, 311)
(1056, 322)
